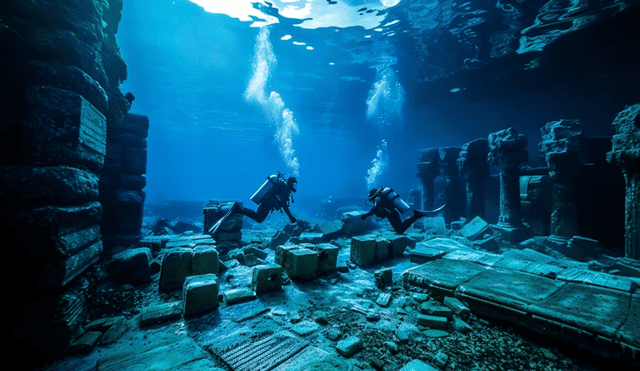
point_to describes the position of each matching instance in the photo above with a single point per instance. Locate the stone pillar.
(507, 152)
(123, 180)
(453, 191)
(626, 153)
(560, 148)
(474, 169)
(428, 170)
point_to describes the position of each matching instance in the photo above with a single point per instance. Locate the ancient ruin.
(542, 284)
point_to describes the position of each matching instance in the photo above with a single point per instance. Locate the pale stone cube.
(267, 278)
(200, 294)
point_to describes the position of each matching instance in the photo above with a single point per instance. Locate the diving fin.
(233, 209)
(429, 213)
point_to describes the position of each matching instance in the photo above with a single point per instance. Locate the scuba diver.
(274, 194)
(388, 204)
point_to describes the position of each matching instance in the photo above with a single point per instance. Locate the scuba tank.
(267, 186)
(395, 199)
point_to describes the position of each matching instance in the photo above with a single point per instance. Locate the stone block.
(266, 278)
(280, 238)
(258, 253)
(311, 237)
(383, 277)
(302, 264)
(58, 273)
(398, 244)
(423, 254)
(73, 129)
(282, 252)
(363, 250)
(354, 225)
(154, 243)
(487, 244)
(160, 313)
(131, 266)
(200, 294)
(240, 295)
(231, 229)
(474, 229)
(176, 266)
(457, 307)
(461, 326)
(349, 346)
(327, 257)
(61, 185)
(204, 260)
(331, 230)
(439, 323)
(382, 250)
(418, 365)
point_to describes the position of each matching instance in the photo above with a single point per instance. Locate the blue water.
(343, 106)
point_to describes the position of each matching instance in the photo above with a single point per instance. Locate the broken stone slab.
(267, 278)
(457, 307)
(176, 266)
(423, 254)
(114, 333)
(433, 309)
(131, 266)
(384, 299)
(363, 250)
(200, 294)
(103, 324)
(417, 365)
(258, 253)
(160, 313)
(204, 260)
(86, 342)
(435, 322)
(461, 326)
(254, 313)
(597, 279)
(301, 264)
(327, 257)
(441, 277)
(349, 346)
(474, 229)
(240, 295)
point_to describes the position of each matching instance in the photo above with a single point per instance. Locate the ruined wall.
(60, 95)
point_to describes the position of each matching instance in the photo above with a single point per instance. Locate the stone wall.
(62, 69)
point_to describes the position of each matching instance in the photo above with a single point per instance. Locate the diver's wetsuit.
(383, 208)
(277, 198)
